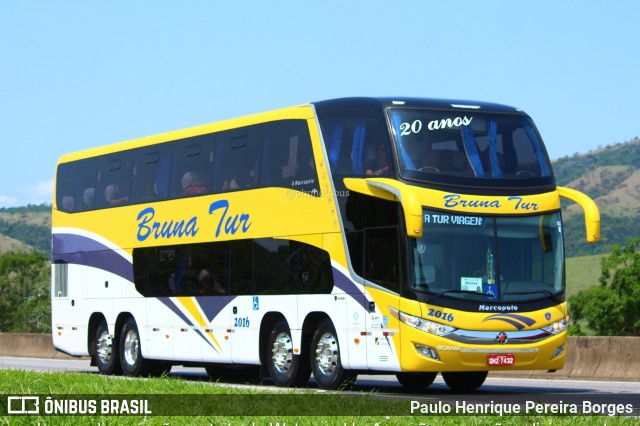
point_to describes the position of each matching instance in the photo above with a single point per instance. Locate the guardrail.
(590, 358)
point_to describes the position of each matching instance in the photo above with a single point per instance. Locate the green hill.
(26, 229)
(611, 176)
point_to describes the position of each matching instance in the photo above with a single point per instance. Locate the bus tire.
(464, 381)
(416, 380)
(325, 359)
(131, 359)
(285, 368)
(106, 355)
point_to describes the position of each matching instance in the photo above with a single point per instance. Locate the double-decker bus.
(398, 236)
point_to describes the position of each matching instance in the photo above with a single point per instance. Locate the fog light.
(558, 352)
(427, 351)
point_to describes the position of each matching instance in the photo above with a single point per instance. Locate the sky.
(80, 74)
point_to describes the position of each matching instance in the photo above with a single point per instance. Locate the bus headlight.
(425, 325)
(556, 327)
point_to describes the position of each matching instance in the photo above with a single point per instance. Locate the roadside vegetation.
(612, 308)
(25, 305)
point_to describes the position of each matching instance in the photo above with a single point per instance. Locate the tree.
(613, 307)
(24, 293)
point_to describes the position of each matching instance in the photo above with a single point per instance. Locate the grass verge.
(182, 402)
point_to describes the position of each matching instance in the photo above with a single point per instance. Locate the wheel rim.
(131, 348)
(103, 347)
(327, 354)
(282, 353)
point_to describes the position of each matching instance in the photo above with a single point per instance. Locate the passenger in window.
(243, 179)
(88, 197)
(231, 183)
(114, 196)
(171, 284)
(68, 203)
(191, 185)
(379, 166)
(208, 283)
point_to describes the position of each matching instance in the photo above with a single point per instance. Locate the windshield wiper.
(442, 293)
(553, 296)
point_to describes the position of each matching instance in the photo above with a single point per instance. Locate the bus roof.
(299, 111)
(409, 102)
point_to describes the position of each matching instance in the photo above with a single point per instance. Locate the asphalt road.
(367, 383)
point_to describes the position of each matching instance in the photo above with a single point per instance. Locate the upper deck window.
(273, 154)
(453, 146)
(356, 145)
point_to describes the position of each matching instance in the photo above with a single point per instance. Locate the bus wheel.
(416, 380)
(133, 364)
(464, 381)
(285, 368)
(325, 359)
(106, 352)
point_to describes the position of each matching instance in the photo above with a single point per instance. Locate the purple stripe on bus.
(72, 243)
(76, 249)
(345, 284)
(212, 305)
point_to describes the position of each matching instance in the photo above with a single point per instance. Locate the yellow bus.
(393, 236)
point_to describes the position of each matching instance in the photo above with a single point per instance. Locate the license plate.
(501, 359)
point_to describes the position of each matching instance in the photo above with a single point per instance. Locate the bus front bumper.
(424, 352)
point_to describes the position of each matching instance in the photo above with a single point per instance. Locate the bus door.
(245, 308)
(382, 271)
(245, 316)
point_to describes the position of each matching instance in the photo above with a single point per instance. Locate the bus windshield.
(453, 146)
(499, 259)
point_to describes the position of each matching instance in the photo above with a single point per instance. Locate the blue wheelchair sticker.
(256, 303)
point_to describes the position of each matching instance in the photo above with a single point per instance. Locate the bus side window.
(310, 269)
(87, 181)
(66, 180)
(237, 158)
(241, 267)
(287, 159)
(382, 264)
(154, 270)
(60, 276)
(356, 146)
(193, 158)
(270, 266)
(151, 174)
(211, 264)
(114, 179)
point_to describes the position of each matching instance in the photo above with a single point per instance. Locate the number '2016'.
(241, 322)
(440, 315)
